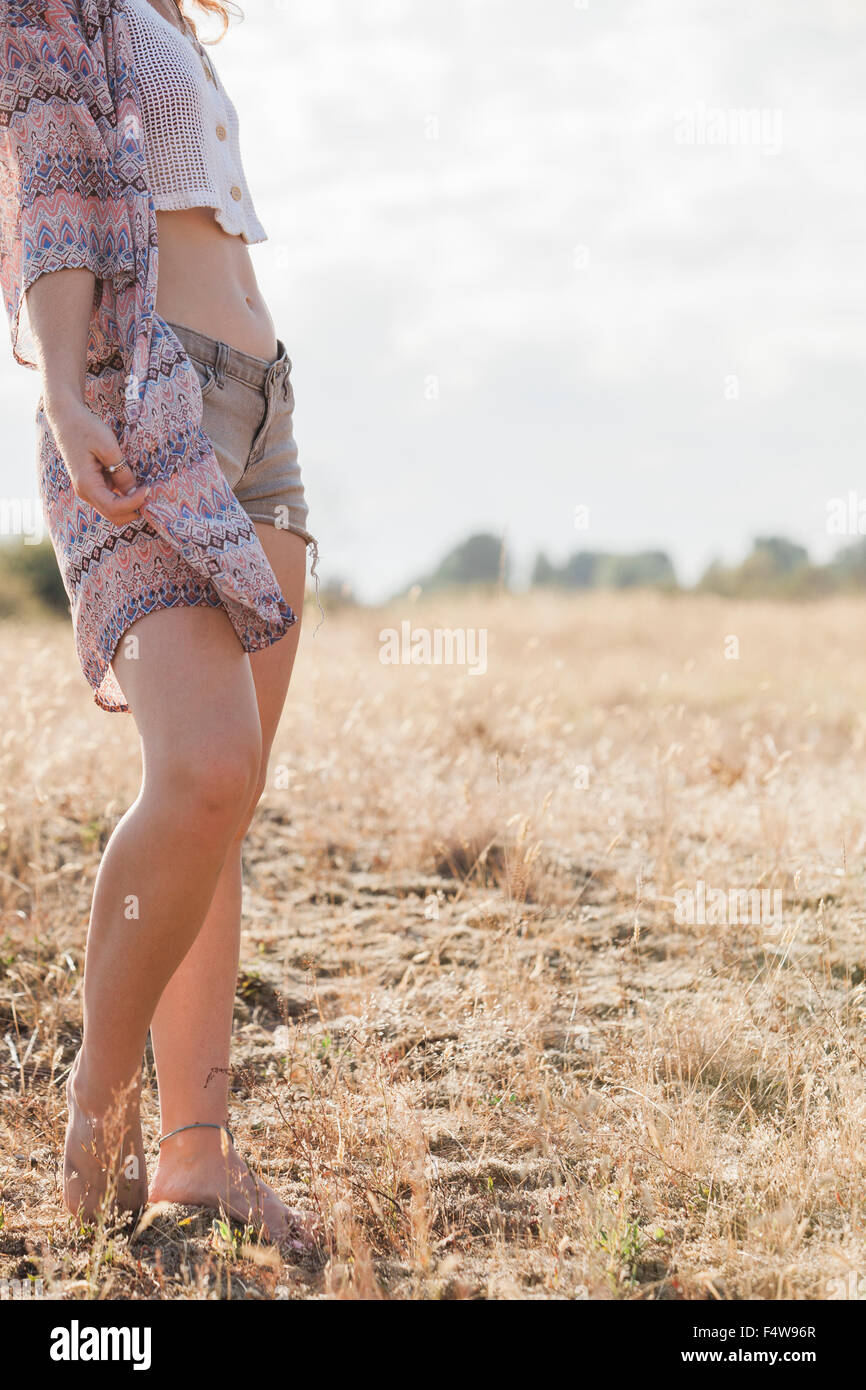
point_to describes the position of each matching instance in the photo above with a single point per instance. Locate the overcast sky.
(527, 258)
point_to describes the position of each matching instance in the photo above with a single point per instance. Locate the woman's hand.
(59, 305)
(89, 448)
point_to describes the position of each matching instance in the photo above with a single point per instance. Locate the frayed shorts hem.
(294, 530)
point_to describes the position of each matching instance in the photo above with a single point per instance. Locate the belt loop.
(221, 363)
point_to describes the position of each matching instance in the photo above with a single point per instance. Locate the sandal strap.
(200, 1124)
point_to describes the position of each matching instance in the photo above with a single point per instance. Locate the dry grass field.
(472, 1028)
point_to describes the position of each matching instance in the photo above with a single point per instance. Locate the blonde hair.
(223, 9)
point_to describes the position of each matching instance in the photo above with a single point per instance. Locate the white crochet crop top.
(191, 138)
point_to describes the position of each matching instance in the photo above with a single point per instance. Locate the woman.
(169, 475)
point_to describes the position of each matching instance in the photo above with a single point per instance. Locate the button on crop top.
(191, 139)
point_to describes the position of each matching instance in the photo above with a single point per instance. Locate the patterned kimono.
(73, 194)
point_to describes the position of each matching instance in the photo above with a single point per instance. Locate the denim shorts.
(248, 405)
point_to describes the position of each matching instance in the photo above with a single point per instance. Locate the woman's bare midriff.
(207, 282)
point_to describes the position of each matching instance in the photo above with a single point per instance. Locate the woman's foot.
(104, 1166)
(201, 1168)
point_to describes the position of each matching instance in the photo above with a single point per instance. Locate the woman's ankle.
(99, 1094)
(199, 1142)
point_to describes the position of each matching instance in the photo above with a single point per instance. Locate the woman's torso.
(207, 281)
(206, 277)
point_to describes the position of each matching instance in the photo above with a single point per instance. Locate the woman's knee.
(213, 779)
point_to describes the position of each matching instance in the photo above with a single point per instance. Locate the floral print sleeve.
(73, 194)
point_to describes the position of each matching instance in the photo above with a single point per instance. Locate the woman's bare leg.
(192, 1026)
(191, 692)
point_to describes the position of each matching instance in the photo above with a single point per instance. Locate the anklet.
(201, 1124)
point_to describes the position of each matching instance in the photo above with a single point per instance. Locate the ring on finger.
(116, 467)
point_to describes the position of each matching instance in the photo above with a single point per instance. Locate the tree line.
(774, 568)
